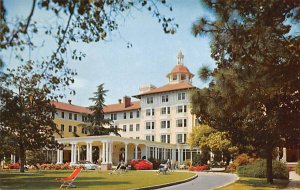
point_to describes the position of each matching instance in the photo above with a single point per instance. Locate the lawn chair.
(68, 181)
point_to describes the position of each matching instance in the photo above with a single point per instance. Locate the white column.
(278, 156)
(91, 152)
(174, 155)
(185, 154)
(100, 155)
(110, 152)
(179, 156)
(72, 153)
(58, 156)
(211, 156)
(14, 158)
(103, 152)
(284, 155)
(78, 153)
(136, 152)
(126, 149)
(75, 153)
(146, 150)
(106, 152)
(87, 151)
(61, 160)
(165, 154)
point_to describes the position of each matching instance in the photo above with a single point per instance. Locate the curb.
(167, 184)
(236, 179)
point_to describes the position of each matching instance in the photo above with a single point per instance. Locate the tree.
(96, 121)
(254, 90)
(26, 111)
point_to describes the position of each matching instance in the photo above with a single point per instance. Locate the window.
(165, 124)
(70, 128)
(62, 127)
(150, 138)
(137, 113)
(165, 138)
(137, 127)
(131, 115)
(70, 115)
(150, 100)
(181, 138)
(124, 116)
(137, 137)
(74, 129)
(124, 128)
(62, 114)
(165, 110)
(149, 125)
(83, 130)
(181, 123)
(149, 112)
(164, 98)
(181, 109)
(75, 117)
(113, 116)
(181, 96)
(130, 127)
(83, 118)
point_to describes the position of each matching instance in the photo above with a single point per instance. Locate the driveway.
(205, 181)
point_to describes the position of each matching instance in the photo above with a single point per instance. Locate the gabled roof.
(121, 107)
(167, 88)
(70, 107)
(180, 68)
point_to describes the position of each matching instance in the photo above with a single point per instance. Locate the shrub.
(298, 168)
(198, 168)
(143, 165)
(14, 166)
(241, 160)
(155, 163)
(258, 169)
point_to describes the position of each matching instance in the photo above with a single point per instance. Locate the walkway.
(205, 181)
(294, 181)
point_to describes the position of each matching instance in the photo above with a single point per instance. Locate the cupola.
(180, 73)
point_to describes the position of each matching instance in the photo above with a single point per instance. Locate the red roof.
(179, 68)
(70, 107)
(107, 109)
(121, 107)
(168, 87)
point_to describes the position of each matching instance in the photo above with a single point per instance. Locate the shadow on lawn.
(263, 182)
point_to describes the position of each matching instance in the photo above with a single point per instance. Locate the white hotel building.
(157, 125)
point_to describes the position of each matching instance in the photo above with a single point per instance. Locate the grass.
(88, 180)
(247, 183)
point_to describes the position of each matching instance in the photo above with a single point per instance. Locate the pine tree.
(254, 94)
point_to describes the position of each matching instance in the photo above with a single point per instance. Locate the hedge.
(258, 169)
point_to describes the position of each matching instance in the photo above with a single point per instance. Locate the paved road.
(205, 181)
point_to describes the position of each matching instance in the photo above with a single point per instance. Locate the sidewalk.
(294, 183)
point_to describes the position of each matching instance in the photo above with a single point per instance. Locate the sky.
(123, 70)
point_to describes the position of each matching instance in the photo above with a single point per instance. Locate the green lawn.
(88, 180)
(246, 183)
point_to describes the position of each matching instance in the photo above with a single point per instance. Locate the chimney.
(70, 101)
(120, 101)
(127, 101)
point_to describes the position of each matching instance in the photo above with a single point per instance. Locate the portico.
(109, 150)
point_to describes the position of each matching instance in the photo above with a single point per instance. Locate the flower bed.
(198, 168)
(14, 166)
(141, 165)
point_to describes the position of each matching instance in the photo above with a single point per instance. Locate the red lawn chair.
(68, 181)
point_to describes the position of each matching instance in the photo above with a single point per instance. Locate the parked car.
(87, 165)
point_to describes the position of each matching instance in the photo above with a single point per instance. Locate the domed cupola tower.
(180, 73)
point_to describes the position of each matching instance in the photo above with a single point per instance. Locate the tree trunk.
(22, 158)
(269, 166)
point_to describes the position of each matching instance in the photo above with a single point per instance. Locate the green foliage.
(254, 89)
(156, 162)
(240, 160)
(258, 170)
(35, 158)
(201, 159)
(298, 168)
(96, 122)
